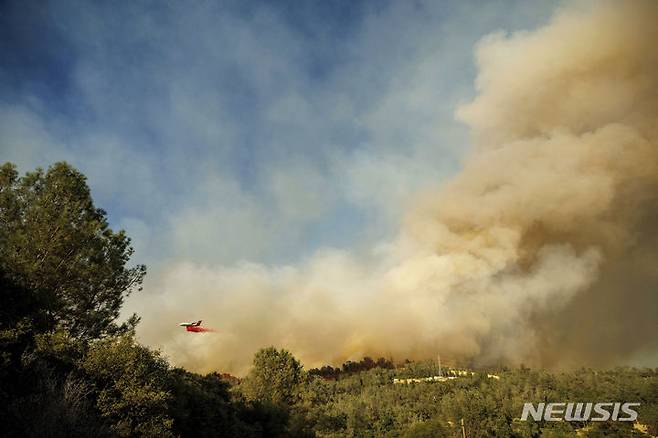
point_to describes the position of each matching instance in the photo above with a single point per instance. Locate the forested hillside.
(68, 368)
(368, 404)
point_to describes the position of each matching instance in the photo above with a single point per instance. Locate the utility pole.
(463, 430)
(438, 358)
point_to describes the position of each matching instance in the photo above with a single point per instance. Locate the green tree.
(201, 406)
(132, 384)
(274, 377)
(427, 429)
(57, 245)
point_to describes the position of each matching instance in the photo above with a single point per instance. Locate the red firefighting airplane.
(194, 327)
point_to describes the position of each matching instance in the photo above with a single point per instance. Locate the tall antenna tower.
(438, 358)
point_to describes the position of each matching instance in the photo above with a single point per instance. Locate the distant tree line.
(365, 364)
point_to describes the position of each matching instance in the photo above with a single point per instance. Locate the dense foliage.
(67, 368)
(58, 246)
(368, 404)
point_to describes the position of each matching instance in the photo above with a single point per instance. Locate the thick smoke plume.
(543, 250)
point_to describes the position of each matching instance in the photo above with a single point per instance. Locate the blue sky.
(216, 132)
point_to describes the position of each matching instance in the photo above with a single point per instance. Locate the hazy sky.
(294, 173)
(215, 132)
